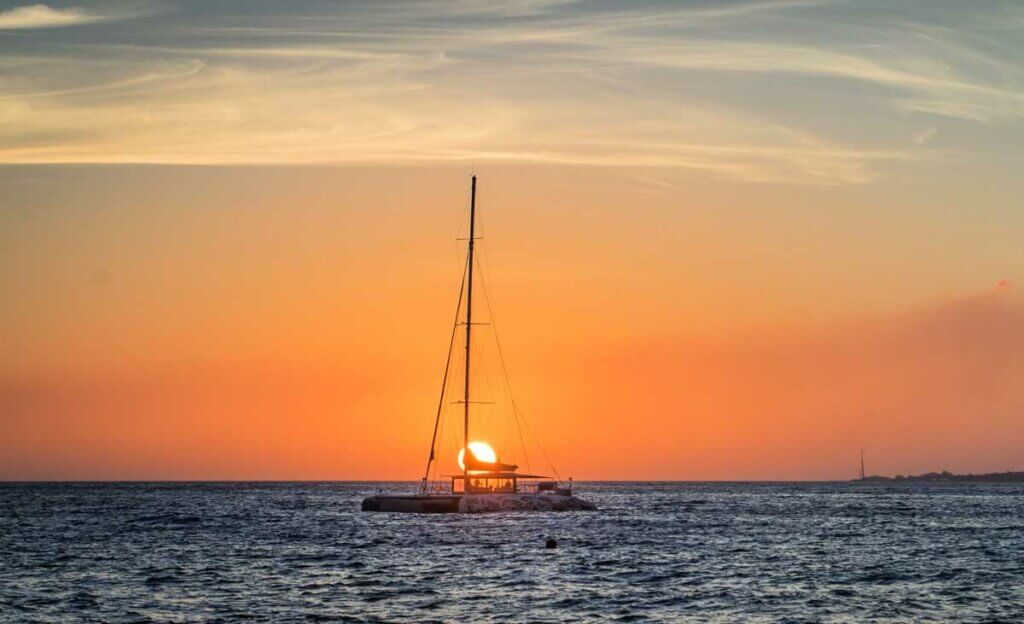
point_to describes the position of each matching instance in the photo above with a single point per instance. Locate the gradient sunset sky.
(723, 240)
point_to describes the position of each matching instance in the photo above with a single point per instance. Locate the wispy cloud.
(44, 16)
(774, 91)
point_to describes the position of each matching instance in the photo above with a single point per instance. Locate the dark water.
(656, 552)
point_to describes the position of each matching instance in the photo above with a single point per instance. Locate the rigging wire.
(446, 416)
(508, 385)
(454, 443)
(444, 381)
(515, 407)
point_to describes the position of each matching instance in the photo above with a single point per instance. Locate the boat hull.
(412, 504)
(475, 503)
(482, 503)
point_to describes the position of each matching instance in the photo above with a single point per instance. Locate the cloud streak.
(38, 16)
(746, 91)
(43, 16)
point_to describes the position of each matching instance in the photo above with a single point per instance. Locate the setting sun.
(483, 452)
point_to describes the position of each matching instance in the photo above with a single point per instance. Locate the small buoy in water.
(551, 543)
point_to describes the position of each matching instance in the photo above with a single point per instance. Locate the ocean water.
(303, 552)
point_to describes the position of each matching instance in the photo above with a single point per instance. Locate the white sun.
(481, 450)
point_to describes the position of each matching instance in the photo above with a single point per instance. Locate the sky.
(724, 240)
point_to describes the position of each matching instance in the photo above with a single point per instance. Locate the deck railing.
(444, 486)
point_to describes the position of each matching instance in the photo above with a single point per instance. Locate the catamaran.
(485, 483)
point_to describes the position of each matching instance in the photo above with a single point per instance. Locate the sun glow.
(481, 450)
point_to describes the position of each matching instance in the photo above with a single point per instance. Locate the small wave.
(166, 520)
(656, 552)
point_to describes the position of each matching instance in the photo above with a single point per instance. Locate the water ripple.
(279, 552)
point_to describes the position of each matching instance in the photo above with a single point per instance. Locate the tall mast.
(469, 329)
(862, 464)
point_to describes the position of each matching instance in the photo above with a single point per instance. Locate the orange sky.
(725, 240)
(290, 323)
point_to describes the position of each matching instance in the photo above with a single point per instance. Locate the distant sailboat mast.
(862, 464)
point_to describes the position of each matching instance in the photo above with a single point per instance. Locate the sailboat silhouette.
(485, 483)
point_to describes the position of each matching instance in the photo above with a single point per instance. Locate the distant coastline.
(949, 477)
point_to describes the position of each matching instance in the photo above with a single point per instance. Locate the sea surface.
(722, 552)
